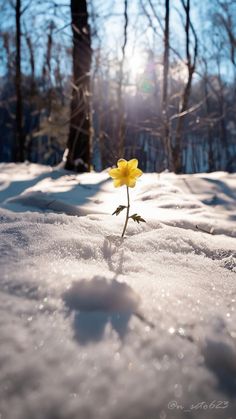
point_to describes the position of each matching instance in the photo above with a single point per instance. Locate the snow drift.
(92, 326)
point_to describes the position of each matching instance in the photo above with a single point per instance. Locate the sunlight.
(180, 72)
(135, 63)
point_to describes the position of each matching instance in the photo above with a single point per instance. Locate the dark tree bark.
(191, 64)
(120, 104)
(6, 45)
(222, 127)
(80, 133)
(165, 79)
(32, 62)
(20, 137)
(211, 160)
(48, 67)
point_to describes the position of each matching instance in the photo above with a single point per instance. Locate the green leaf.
(137, 218)
(119, 209)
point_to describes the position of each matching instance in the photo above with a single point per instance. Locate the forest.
(117, 209)
(87, 82)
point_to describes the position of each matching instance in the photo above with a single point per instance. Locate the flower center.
(125, 172)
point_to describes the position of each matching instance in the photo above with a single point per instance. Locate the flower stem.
(127, 212)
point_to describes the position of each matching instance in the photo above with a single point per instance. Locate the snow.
(93, 326)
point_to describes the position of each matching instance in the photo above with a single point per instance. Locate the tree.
(20, 137)
(191, 65)
(165, 79)
(120, 105)
(80, 132)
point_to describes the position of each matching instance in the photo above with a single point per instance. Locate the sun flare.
(135, 63)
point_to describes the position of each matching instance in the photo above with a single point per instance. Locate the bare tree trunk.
(6, 45)
(177, 148)
(225, 157)
(32, 62)
(211, 162)
(20, 138)
(165, 81)
(80, 133)
(191, 64)
(120, 104)
(48, 60)
(101, 133)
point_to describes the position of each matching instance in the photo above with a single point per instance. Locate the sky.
(109, 24)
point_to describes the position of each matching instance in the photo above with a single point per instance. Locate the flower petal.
(114, 173)
(131, 182)
(136, 172)
(133, 164)
(122, 163)
(118, 182)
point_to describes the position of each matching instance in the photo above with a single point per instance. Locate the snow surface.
(93, 326)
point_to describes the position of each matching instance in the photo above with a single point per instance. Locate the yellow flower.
(126, 173)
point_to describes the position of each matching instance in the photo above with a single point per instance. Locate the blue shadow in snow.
(65, 202)
(97, 303)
